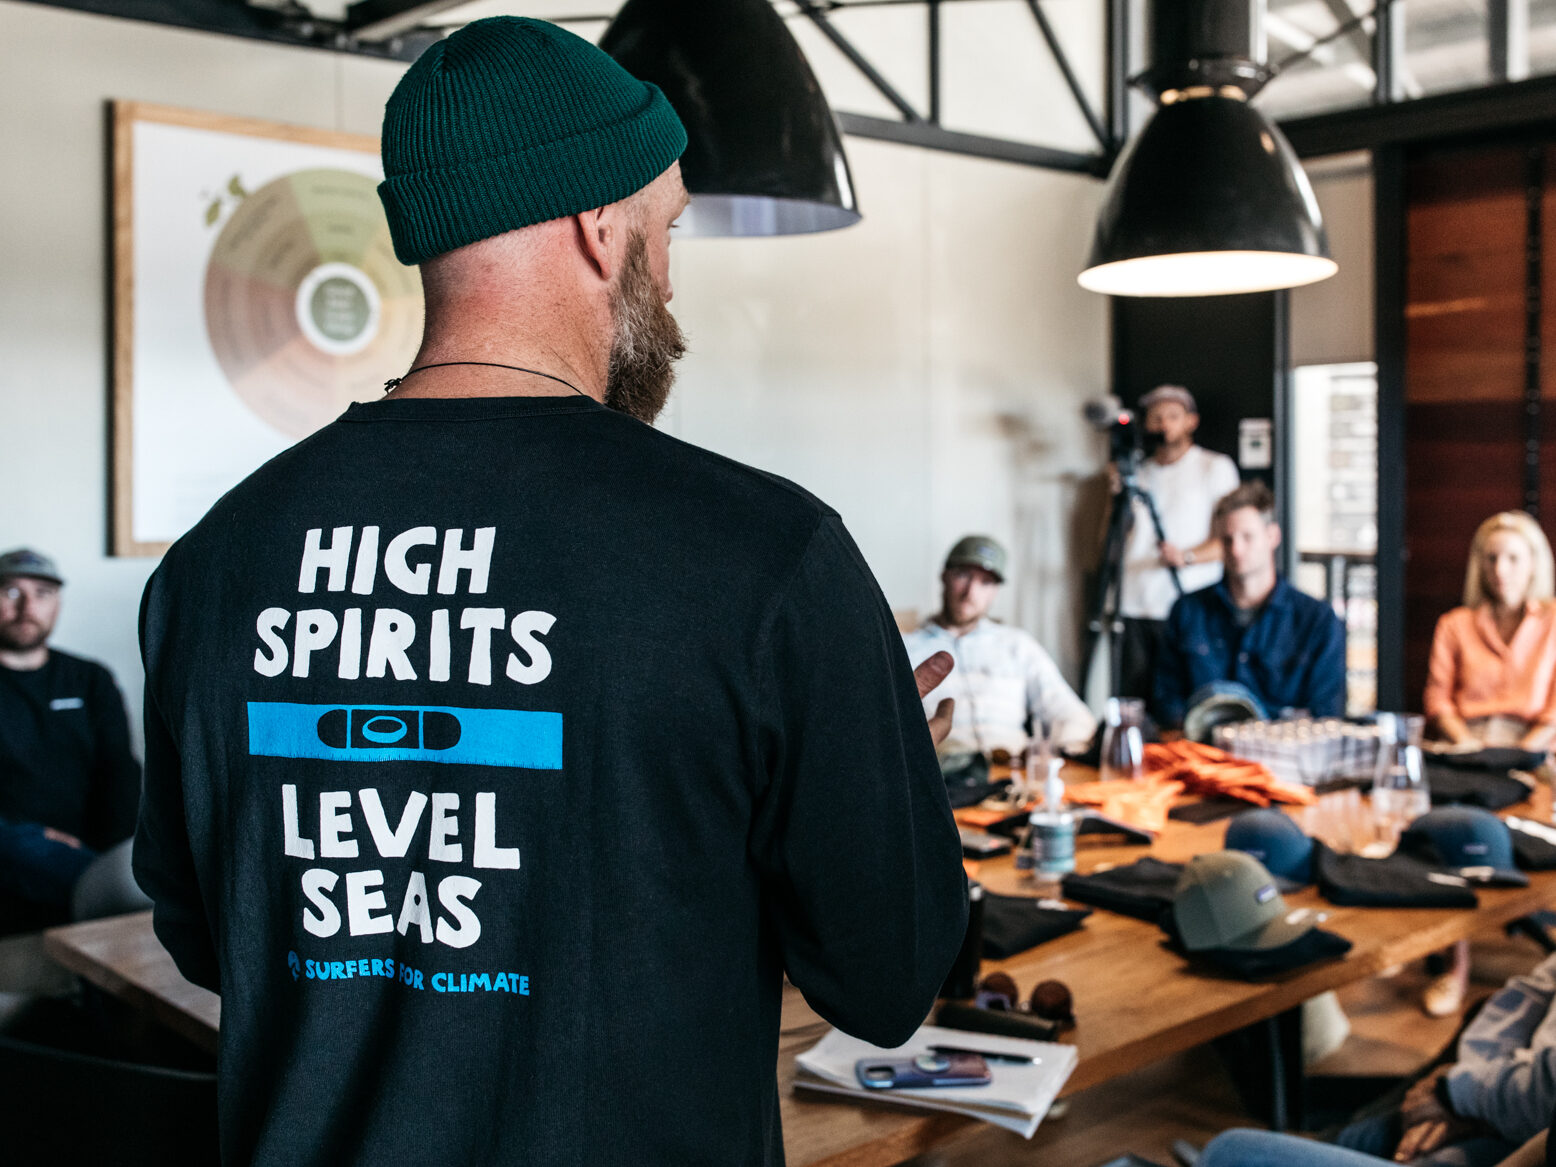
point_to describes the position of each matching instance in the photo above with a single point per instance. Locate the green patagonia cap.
(1227, 899)
(978, 551)
(511, 122)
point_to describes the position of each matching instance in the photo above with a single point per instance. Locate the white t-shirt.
(1186, 492)
(1002, 674)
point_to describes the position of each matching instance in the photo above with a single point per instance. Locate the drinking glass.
(1026, 781)
(1399, 790)
(1123, 739)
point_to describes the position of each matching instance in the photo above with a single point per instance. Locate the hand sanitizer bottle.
(1053, 829)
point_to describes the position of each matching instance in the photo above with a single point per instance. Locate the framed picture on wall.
(255, 295)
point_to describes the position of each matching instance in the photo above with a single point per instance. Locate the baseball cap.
(1272, 838)
(1220, 702)
(1467, 840)
(1226, 899)
(978, 551)
(1174, 393)
(25, 561)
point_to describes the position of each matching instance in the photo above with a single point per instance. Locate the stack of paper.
(1016, 1099)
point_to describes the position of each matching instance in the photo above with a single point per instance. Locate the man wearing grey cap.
(1003, 682)
(504, 753)
(68, 782)
(1185, 481)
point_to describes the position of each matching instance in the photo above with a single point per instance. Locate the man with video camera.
(1184, 481)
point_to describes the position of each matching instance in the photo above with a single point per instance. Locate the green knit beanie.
(510, 122)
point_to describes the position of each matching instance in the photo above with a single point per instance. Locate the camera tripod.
(1105, 615)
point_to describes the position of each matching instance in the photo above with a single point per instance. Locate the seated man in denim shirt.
(1253, 627)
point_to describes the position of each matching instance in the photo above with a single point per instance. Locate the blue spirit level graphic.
(406, 733)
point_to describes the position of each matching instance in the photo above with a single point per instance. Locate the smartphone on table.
(929, 1069)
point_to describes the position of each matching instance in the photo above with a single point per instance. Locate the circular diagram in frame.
(306, 307)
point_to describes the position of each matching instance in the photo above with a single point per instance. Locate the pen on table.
(986, 1054)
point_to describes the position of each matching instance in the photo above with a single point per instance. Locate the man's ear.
(1192, 424)
(1275, 536)
(595, 231)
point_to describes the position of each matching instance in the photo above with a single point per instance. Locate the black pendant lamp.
(1209, 198)
(764, 155)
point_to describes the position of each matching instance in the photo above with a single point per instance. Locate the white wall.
(1331, 321)
(923, 372)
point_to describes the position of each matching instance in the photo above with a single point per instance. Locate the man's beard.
(23, 636)
(646, 340)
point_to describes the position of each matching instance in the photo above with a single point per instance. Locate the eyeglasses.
(13, 593)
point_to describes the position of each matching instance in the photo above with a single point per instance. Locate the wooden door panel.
(1465, 323)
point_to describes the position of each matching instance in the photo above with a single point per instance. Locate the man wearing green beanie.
(503, 753)
(536, 182)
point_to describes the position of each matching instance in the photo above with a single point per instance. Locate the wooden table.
(1135, 1001)
(123, 956)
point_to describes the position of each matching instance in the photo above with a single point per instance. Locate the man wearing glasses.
(68, 782)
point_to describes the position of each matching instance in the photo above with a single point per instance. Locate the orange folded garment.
(1142, 804)
(1208, 771)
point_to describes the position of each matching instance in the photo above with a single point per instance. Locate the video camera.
(1128, 440)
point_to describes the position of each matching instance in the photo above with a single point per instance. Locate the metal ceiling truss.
(398, 29)
(1377, 37)
(925, 129)
(380, 21)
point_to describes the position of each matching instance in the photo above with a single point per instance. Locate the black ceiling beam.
(374, 20)
(931, 137)
(1444, 115)
(932, 14)
(1118, 49)
(241, 19)
(234, 19)
(1388, 52)
(1507, 36)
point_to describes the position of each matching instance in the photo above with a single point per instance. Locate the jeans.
(36, 868)
(1369, 1143)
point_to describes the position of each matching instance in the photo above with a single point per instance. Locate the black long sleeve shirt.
(502, 755)
(65, 759)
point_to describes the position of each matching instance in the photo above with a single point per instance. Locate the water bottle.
(1123, 741)
(1052, 835)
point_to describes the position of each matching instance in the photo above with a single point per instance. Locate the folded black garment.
(967, 779)
(1251, 964)
(1094, 822)
(1013, 924)
(1491, 789)
(1534, 844)
(1396, 882)
(972, 793)
(1140, 889)
(1208, 810)
(1499, 759)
